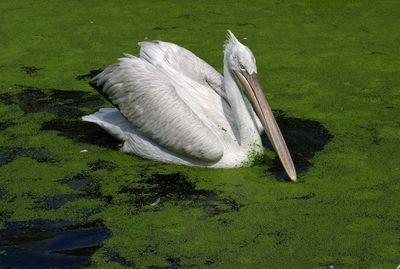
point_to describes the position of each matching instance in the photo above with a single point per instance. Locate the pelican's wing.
(147, 98)
(166, 55)
(197, 83)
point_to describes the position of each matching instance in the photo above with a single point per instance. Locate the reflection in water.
(44, 244)
(303, 137)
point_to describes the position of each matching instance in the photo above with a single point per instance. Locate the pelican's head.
(238, 56)
(242, 66)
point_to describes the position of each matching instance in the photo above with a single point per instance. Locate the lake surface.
(69, 197)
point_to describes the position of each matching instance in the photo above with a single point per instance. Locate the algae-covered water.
(69, 197)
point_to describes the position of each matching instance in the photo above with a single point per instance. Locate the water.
(43, 243)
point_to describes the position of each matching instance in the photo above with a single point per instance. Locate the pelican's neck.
(248, 134)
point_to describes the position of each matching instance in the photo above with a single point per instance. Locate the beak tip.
(293, 177)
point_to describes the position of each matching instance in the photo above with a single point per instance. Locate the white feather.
(173, 108)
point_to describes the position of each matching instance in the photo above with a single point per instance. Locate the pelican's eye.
(242, 66)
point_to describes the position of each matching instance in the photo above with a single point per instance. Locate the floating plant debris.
(303, 137)
(44, 244)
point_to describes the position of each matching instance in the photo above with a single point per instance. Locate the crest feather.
(231, 41)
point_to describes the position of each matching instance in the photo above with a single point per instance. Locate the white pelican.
(173, 107)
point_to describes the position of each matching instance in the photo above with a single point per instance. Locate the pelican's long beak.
(263, 110)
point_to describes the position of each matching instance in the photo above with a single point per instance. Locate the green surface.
(336, 62)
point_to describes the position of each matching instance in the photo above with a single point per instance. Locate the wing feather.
(150, 102)
(160, 53)
(196, 82)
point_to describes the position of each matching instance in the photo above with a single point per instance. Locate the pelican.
(173, 107)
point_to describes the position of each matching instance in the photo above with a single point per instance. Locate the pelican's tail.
(111, 120)
(134, 142)
(98, 81)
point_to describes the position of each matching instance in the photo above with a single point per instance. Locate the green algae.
(336, 63)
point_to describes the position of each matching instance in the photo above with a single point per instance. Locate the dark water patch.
(214, 207)
(116, 257)
(8, 154)
(304, 138)
(82, 132)
(247, 24)
(90, 75)
(102, 164)
(209, 261)
(3, 193)
(5, 124)
(58, 201)
(88, 186)
(173, 185)
(62, 103)
(80, 182)
(224, 221)
(333, 265)
(165, 187)
(215, 13)
(391, 184)
(187, 17)
(307, 196)
(251, 240)
(364, 29)
(5, 215)
(5, 98)
(366, 214)
(150, 249)
(30, 70)
(280, 236)
(174, 262)
(220, 23)
(44, 244)
(377, 53)
(335, 26)
(158, 188)
(159, 28)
